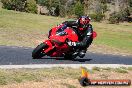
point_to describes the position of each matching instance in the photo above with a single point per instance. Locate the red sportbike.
(56, 45)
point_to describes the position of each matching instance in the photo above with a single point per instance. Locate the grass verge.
(25, 29)
(39, 75)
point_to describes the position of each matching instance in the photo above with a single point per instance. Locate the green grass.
(115, 36)
(120, 70)
(96, 69)
(117, 70)
(37, 75)
(107, 69)
(129, 68)
(23, 29)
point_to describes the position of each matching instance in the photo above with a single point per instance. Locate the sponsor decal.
(85, 81)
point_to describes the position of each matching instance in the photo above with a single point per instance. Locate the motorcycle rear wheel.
(69, 57)
(37, 52)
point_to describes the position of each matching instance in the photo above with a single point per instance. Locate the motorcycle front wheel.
(38, 51)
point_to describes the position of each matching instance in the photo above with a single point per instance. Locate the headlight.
(61, 33)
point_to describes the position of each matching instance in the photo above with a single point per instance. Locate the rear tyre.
(69, 57)
(38, 51)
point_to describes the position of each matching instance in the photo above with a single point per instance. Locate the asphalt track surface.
(11, 55)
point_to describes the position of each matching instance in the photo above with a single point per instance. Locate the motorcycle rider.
(84, 30)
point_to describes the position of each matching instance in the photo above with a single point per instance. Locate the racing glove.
(75, 44)
(70, 43)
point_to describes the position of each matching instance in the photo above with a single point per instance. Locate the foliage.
(103, 1)
(50, 4)
(79, 10)
(58, 7)
(62, 8)
(17, 5)
(114, 18)
(130, 6)
(62, 11)
(117, 17)
(31, 6)
(20, 5)
(104, 8)
(130, 3)
(123, 15)
(70, 11)
(97, 16)
(57, 11)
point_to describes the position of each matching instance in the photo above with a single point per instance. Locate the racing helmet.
(83, 22)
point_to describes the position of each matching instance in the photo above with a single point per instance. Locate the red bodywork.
(57, 45)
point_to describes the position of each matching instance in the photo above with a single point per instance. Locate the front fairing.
(58, 41)
(62, 36)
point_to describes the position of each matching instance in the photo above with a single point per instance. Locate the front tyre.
(38, 51)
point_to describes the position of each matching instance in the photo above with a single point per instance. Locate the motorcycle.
(56, 45)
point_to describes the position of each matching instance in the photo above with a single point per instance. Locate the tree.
(130, 6)
(20, 5)
(97, 16)
(79, 9)
(17, 5)
(51, 5)
(62, 12)
(86, 6)
(31, 6)
(103, 6)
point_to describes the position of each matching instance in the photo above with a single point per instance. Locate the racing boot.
(82, 53)
(75, 54)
